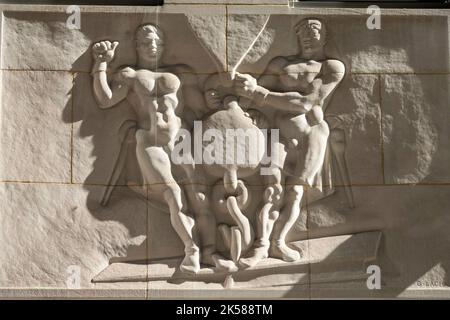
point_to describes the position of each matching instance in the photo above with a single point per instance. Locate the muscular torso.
(153, 96)
(294, 75)
(298, 75)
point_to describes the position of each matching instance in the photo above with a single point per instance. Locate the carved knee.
(273, 215)
(294, 193)
(174, 197)
(323, 129)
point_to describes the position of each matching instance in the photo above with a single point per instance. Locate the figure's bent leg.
(155, 166)
(266, 219)
(198, 197)
(311, 157)
(184, 226)
(288, 216)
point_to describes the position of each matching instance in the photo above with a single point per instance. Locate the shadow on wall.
(414, 240)
(97, 141)
(415, 246)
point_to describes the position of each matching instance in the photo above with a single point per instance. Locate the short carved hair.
(302, 22)
(146, 29)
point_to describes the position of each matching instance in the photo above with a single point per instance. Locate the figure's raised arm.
(106, 95)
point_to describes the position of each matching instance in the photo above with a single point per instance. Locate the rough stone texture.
(47, 228)
(46, 35)
(393, 104)
(248, 39)
(95, 140)
(357, 103)
(399, 46)
(35, 143)
(415, 244)
(416, 114)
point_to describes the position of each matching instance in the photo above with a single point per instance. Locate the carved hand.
(103, 51)
(245, 85)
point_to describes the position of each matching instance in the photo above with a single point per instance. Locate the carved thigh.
(312, 152)
(153, 161)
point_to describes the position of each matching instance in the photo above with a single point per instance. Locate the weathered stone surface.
(357, 103)
(35, 142)
(413, 252)
(48, 228)
(399, 46)
(60, 149)
(248, 39)
(32, 40)
(46, 34)
(416, 114)
(96, 143)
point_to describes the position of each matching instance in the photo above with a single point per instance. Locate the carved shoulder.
(333, 66)
(168, 83)
(124, 74)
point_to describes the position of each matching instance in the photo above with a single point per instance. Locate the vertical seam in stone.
(226, 38)
(2, 19)
(308, 249)
(72, 117)
(147, 239)
(381, 128)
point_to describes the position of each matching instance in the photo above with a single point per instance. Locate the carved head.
(311, 35)
(149, 42)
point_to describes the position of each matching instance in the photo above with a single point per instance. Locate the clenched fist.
(103, 51)
(245, 85)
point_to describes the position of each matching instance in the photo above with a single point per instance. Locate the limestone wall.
(58, 149)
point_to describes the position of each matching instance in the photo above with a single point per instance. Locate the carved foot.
(191, 263)
(223, 264)
(280, 250)
(207, 254)
(255, 256)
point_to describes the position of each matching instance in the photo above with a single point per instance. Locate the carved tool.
(120, 162)
(241, 59)
(338, 147)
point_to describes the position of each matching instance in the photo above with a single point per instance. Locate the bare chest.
(299, 75)
(145, 82)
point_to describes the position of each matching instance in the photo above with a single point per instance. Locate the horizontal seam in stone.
(212, 185)
(225, 72)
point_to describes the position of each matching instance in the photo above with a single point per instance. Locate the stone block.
(35, 141)
(416, 114)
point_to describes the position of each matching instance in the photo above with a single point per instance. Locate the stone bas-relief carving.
(293, 92)
(154, 93)
(71, 179)
(300, 86)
